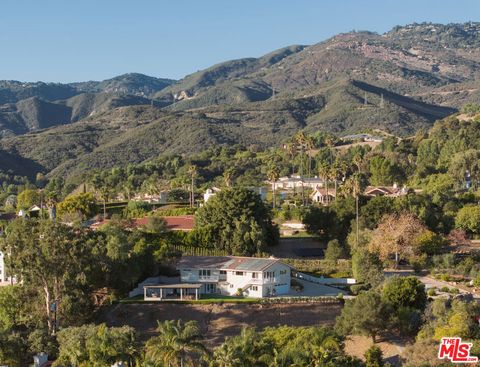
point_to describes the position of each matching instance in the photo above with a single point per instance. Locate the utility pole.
(381, 101)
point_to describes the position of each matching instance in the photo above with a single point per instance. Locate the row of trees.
(66, 272)
(180, 344)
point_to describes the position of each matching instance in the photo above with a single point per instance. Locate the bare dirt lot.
(220, 320)
(392, 349)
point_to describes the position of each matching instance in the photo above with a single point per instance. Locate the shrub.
(374, 357)
(334, 251)
(432, 292)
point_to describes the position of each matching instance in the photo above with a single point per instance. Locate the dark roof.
(225, 263)
(202, 262)
(8, 216)
(173, 286)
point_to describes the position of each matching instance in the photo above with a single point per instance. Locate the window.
(231, 285)
(204, 272)
(269, 274)
(223, 272)
(254, 288)
(254, 275)
(239, 273)
(283, 272)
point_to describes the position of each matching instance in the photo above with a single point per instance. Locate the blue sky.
(77, 40)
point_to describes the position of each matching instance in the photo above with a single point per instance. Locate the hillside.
(416, 59)
(400, 82)
(131, 83)
(28, 107)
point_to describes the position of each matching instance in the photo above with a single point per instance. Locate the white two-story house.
(255, 277)
(225, 275)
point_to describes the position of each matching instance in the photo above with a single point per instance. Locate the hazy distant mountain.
(27, 107)
(132, 83)
(399, 82)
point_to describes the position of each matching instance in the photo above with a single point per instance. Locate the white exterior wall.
(280, 283)
(230, 283)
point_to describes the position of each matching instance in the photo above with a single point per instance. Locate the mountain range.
(398, 82)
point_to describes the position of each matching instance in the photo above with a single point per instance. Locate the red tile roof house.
(183, 223)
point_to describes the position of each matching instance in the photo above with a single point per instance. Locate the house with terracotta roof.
(390, 191)
(225, 275)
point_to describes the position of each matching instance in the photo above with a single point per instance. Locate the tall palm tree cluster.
(180, 344)
(333, 170)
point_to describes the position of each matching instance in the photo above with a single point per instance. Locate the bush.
(454, 291)
(80, 205)
(404, 292)
(374, 357)
(358, 288)
(432, 292)
(334, 251)
(136, 209)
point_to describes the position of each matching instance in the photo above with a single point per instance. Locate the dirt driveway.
(220, 320)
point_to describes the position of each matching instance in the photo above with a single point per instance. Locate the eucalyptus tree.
(55, 260)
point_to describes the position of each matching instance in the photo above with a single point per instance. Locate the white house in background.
(225, 275)
(296, 182)
(390, 191)
(209, 193)
(262, 191)
(160, 198)
(321, 196)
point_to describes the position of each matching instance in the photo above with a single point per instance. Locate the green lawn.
(205, 299)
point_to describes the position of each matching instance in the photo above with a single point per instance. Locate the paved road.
(431, 282)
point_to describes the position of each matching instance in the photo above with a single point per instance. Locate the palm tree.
(324, 171)
(292, 150)
(300, 139)
(129, 187)
(358, 161)
(177, 343)
(192, 171)
(310, 144)
(273, 174)
(226, 356)
(102, 188)
(228, 175)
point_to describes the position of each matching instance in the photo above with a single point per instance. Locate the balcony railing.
(200, 278)
(262, 281)
(268, 280)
